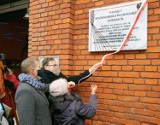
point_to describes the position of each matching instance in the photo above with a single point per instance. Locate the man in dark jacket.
(50, 72)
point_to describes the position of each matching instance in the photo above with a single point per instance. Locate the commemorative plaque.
(109, 25)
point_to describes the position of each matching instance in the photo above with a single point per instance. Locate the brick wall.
(128, 85)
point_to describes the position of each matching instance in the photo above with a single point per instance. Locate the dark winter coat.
(48, 77)
(70, 110)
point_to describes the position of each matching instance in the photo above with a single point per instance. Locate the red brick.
(154, 120)
(156, 11)
(150, 75)
(140, 87)
(130, 56)
(141, 56)
(126, 68)
(116, 68)
(153, 5)
(128, 74)
(117, 62)
(117, 80)
(128, 98)
(153, 18)
(153, 56)
(152, 44)
(156, 37)
(153, 30)
(150, 100)
(140, 93)
(108, 1)
(82, 1)
(127, 80)
(139, 81)
(156, 62)
(154, 24)
(156, 88)
(128, 92)
(43, 53)
(151, 68)
(131, 122)
(118, 86)
(99, 3)
(117, 92)
(153, 94)
(139, 62)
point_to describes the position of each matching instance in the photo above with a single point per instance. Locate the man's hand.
(71, 84)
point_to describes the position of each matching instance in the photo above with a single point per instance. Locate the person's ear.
(32, 71)
(45, 67)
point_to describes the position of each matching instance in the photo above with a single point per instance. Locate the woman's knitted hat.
(58, 87)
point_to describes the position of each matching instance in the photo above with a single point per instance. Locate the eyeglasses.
(52, 65)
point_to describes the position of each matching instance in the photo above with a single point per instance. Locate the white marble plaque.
(109, 25)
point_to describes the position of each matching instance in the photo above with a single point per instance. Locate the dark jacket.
(48, 77)
(70, 110)
(32, 106)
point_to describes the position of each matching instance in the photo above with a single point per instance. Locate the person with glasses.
(50, 72)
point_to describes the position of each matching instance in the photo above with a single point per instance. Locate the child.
(70, 110)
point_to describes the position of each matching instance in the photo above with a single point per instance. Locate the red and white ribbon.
(144, 3)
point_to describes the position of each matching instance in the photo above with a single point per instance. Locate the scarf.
(33, 82)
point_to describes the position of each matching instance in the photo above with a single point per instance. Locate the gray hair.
(28, 64)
